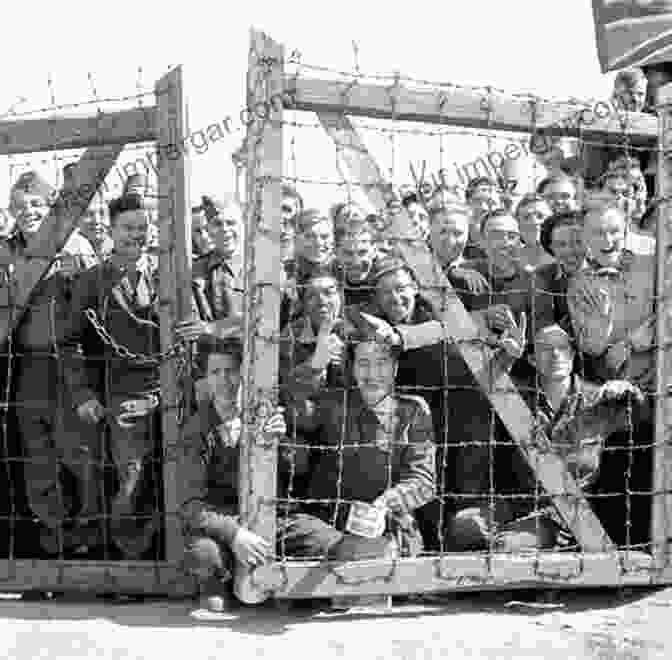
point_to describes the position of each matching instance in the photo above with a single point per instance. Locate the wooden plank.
(175, 283)
(504, 397)
(54, 232)
(140, 577)
(455, 572)
(661, 519)
(258, 461)
(370, 177)
(456, 106)
(77, 131)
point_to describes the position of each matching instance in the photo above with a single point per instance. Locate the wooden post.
(175, 282)
(661, 518)
(263, 267)
(54, 232)
(501, 391)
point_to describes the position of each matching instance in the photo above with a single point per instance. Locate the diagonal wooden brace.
(65, 213)
(549, 468)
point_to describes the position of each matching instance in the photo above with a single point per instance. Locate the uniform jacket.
(129, 313)
(361, 455)
(217, 286)
(630, 289)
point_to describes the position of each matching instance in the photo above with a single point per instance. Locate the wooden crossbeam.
(54, 232)
(455, 106)
(455, 572)
(77, 131)
(549, 468)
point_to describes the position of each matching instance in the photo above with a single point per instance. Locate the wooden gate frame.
(598, 564)
(104, 135)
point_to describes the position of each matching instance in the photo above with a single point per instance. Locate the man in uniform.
(40, 401)
(217, 277)
(114, 312)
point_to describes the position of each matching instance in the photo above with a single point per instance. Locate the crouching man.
(374, 467)
(215, 539)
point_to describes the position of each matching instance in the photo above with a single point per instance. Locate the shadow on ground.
(276, 619)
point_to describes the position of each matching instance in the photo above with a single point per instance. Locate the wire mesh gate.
(103, 135)
(594, 558)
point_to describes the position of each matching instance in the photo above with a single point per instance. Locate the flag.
(632, 32)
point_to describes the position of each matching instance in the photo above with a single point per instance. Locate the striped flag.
(632, 32)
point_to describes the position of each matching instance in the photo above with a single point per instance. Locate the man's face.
(627, 184)
(395, 295)
(316, 243)
(94, 224)
(356, 252)
(29, 212)
(554, 357)
(448, 236)
(631, 98)
(561, 196)
(484, 198)
(223, 377)
(374, 370)
(200, 237)
(502, 243)
(604, 236)
(225, 230)
(322, 300)
(530, 218)
(419, 220)
(129, 234)
(568, 248)
(289, 209)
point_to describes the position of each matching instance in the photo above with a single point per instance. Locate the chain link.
(123, 352)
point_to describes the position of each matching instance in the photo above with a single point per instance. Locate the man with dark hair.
(115, 307)
(385, 465)
(217, 277)
(482, 197)
(560, 191)
(208, 480)
(40, 400)
(356, 255)
(630, 90)
(314, 250)
(561, 237)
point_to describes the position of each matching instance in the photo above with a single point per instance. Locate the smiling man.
(120, 296)
(611, 299)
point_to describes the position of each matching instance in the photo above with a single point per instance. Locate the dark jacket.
(359, 458)
(93, 369)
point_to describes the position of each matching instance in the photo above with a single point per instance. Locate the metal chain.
(123, 352)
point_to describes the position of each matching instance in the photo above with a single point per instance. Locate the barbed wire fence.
(606, 535)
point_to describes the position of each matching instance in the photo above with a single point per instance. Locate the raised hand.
(514, 340)
(250, 549)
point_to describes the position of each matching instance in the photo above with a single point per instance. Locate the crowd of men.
(388, 444)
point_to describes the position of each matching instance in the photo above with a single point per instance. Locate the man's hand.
(91, 411)
(383, 331)
(618, 354)
(249, 549)
(275, 425)
(468, 280)
(514, 340)
(500, 318)
(617, 389)
(329, 350)
(594, 301)
(188, 331)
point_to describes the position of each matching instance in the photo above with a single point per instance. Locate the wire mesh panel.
(467, 342)
(88, 381)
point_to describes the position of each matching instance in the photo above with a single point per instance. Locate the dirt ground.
(605, 625)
